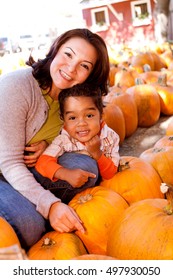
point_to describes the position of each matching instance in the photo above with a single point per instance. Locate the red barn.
(121, 21)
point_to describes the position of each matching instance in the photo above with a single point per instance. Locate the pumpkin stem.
(139, 81)
(168, 190)
(162, 80)
(47, 242)
(84, 198)
(123, 165)
(147, 68)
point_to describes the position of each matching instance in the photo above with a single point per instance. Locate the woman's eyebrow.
(75, 53)
(71, 49)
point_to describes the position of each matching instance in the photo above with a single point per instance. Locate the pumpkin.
(57, 246)
(167, 57)
(147, 102)
(169, 128)
(140, 59)
(165, 92)
(8, 237)
(164, 141)
(113, 91)
(143, 232)
(150, 77)
(162, 161)
(129, 109)
(136, 180)
(112, 72)
(94, 257)
(159, 62)
(98, 208)
(114, 118)
(124, 78)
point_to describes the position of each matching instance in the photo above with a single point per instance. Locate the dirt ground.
(144, 138)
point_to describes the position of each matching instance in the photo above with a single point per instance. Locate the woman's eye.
(85, 66)
(68, 54)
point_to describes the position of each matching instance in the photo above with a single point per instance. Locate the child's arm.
(48, 167)
(107, 163)
(107, 167)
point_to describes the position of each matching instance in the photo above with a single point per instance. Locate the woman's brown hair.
(100, 72)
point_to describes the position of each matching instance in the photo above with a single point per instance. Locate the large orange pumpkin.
(114, 118)
(129, 109)
(136, 180)
(8, 236)
(143, 232)
(98, 208)
(147, 102)
(162, 161)
(57, 246)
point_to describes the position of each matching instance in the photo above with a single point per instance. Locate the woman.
(29, 122)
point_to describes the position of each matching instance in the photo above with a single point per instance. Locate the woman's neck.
(54, 93)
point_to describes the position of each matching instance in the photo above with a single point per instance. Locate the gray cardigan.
(23, 110)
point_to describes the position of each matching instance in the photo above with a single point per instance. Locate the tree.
(161, 18)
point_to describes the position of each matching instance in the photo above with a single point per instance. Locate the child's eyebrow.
(88, 109)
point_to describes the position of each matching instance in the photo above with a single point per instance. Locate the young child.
(85, 149)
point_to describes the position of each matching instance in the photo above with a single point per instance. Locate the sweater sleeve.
(22, 110)
(106, 167)
(47, 166)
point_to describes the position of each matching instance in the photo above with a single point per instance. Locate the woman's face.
(73, 64)
(81, 118)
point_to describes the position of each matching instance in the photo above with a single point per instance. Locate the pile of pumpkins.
(141, 90)
(129, 217)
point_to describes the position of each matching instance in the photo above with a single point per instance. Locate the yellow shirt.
(53, 124)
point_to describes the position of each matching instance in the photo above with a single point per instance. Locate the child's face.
(81, 118)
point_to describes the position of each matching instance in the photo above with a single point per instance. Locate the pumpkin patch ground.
(144, 138)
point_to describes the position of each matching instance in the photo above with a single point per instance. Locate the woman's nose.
(72, 66)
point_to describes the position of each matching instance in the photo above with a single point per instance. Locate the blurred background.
(32, 25)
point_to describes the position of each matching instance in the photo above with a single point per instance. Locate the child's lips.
(83, 133)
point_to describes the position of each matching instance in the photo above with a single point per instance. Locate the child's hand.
(93, 147)
(75, 177)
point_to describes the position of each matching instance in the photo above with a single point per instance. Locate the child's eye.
(72, 118)
(90, 115)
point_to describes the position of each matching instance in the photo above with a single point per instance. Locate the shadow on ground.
(144, 138)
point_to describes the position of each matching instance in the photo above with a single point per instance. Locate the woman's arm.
(22, 110)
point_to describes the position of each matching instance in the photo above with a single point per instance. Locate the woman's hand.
(36, 150)
(63, 218)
